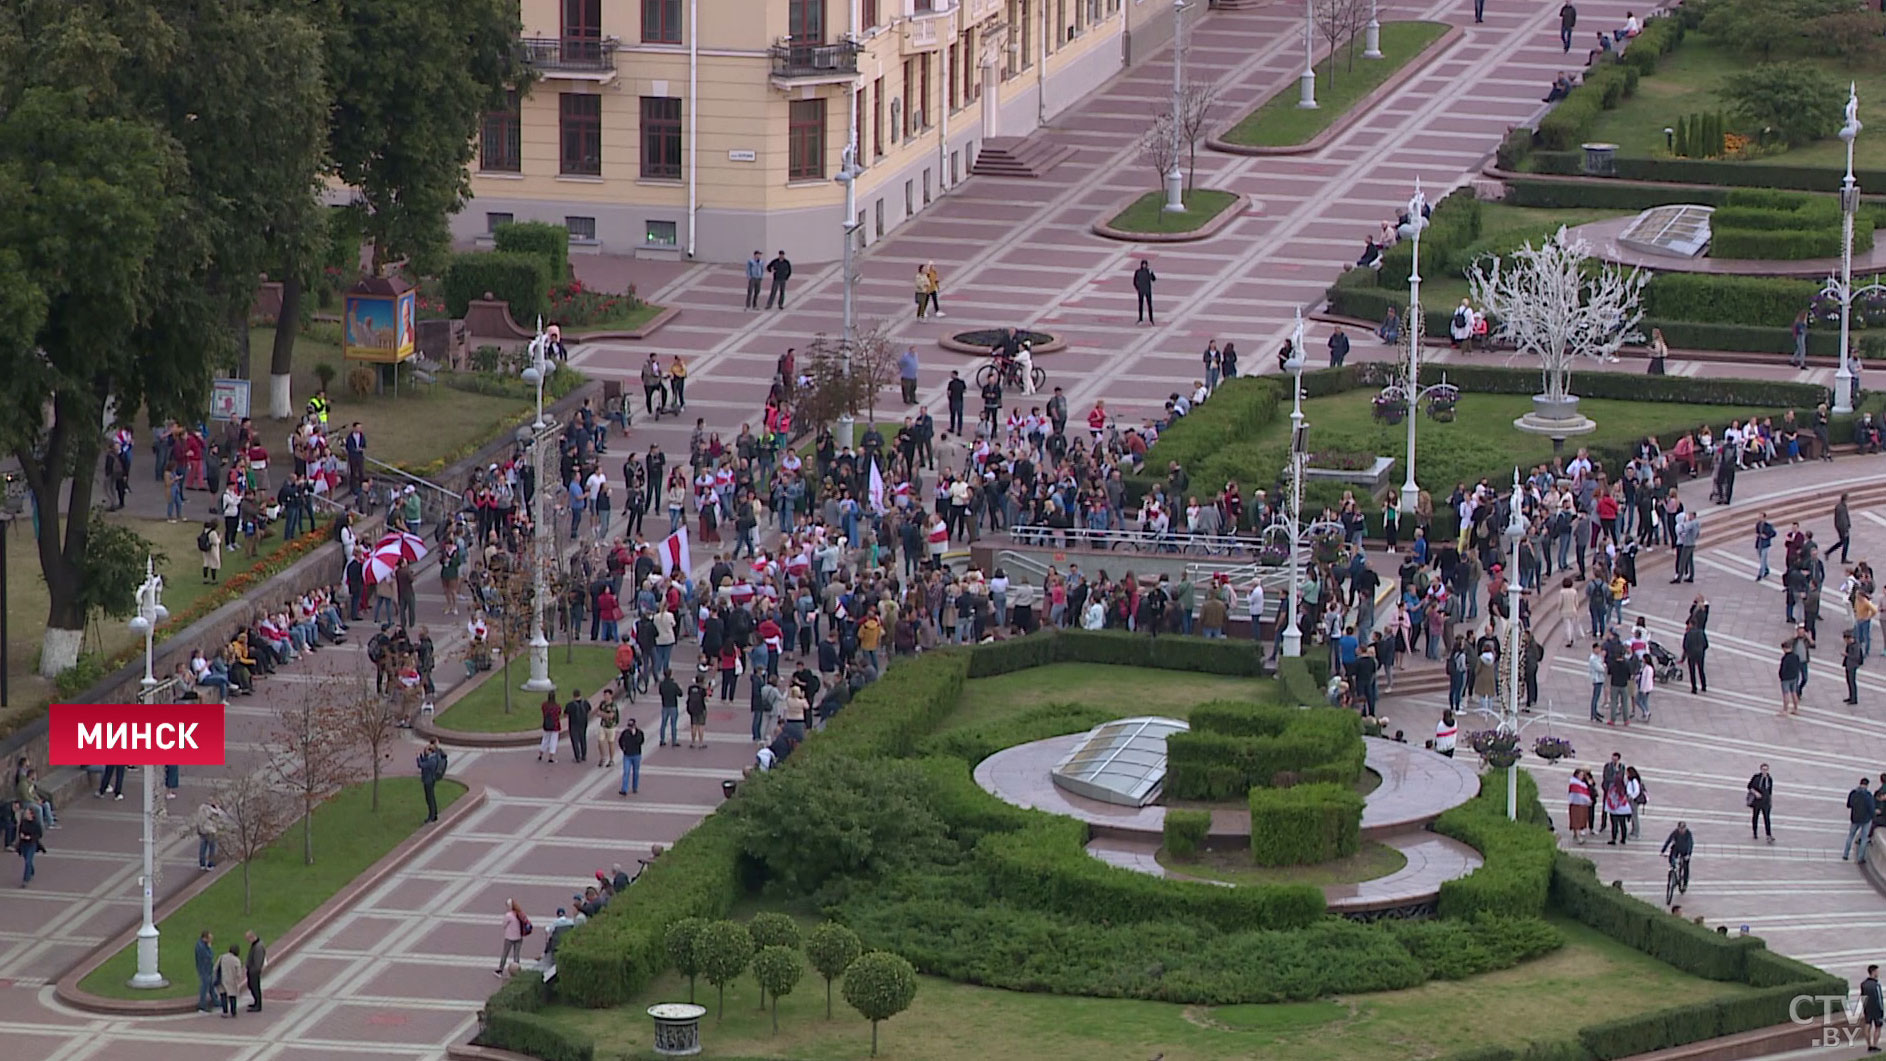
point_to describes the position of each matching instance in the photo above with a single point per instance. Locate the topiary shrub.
(1304, 825)
(680, 940)
(880, 985)
(832, 948)
(1234, 747)
(522, 280)
(723, 950)
(1186, 831)
(778, 970)
(548, 242)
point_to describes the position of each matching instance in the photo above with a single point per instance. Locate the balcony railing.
(793, 59)
(571, 55)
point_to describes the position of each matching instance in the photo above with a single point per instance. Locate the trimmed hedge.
(1577, 891)
(522, 280)
(1304, 824)
(1186, 831)
(1047, 867)
(1517, 874)
(1453, 223)
(1757, 300)
(547, 241)
(975, 743)
(905, 704)
(1600, 194)
(1232, 748)
(1239, 658)
(535, 1035)
(1301, 687)
(1489, 379)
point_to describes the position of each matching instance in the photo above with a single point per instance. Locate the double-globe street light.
(1842, 288)
(540, 433)
(1411, 391)
(150, 612)
(1293, 513)
(1175, 179)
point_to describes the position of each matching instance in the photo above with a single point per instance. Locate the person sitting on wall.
(1561, 85)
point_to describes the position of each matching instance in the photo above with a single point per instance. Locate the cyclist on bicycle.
(1679, 843)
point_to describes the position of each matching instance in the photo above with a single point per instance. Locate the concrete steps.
(1024, 158)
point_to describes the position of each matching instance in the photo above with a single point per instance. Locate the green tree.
(722, 950)
(773, 929)
(680, 941)
(778, 969)
(838, 817)
(1792, 102)
(880, 985)
(832, 948)
(1765, 27)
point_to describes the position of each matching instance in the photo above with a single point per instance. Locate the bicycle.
(1679, 880)
(1011, 375)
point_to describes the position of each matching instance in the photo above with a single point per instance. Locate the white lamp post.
(1417, 220)
(1509, 721)
(538, 370)
(543, 552)
(848, 228)
(1372, 36)
(150, 612)
(1293, 633)
(1307, 100)
(1175, 180)
(1849, 203)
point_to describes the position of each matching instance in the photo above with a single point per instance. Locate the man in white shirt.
(1256, 603)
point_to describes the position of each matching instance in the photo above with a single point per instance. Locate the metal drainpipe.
(694, 117)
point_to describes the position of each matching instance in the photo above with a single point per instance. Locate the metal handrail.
(585, 55)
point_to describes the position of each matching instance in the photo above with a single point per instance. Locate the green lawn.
(948, 1021)
(1148, 212)
(1686, 82)
(1125, 690)
(1279, 122)
(629, 321)
(1235, 867)
(348, 838)
(423, 424)
(588, 667)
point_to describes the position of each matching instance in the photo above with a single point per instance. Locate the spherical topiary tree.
(680, 941)
(880, 985)
(723, 950)
(773, 929)
(832, 947)
(777, 969)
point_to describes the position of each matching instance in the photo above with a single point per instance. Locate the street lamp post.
(150, 612)
(1175, 179)
(1372, 36)
(1849, 204)
(1509, 721)
(538, 370)
(1293, 633)
(1417, 220)
(848, 228)
(1307, 99)
(542, 553)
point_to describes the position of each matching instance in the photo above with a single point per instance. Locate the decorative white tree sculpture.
(1553, 302)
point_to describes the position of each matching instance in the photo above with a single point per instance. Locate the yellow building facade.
(708, 129)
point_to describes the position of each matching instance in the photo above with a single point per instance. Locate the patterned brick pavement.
(400, 975)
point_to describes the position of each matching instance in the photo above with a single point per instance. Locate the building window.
(500, 143)
(580, 134)
(926, 187)
(955, 169)
(805, 21)
(661, 21)
(493, 220)
(661, 138)
(659, 234)
(869, 14)
(877, 120)
(582, 31)
(582, 229)
(877, 210)
(910, 198)
(953, 65)
(805, 140)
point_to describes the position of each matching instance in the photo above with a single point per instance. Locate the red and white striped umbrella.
(401, 545)
(379, 567)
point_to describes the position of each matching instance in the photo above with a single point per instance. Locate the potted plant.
(1389, 410)
(1441, 408)
(1498, 748)
(1553, 749)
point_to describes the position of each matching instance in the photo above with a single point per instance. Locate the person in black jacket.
(1143, 280)
(781, 270)
(1695, 649)
(432, 764)
(31, 841)
(1761, 801)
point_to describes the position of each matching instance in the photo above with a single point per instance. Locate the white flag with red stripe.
(877, 489)
(673, 553)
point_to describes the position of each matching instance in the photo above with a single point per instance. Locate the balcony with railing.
(572, 58)
(806, 62)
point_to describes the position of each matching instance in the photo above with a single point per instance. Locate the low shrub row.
(534, 1035)
(1301, 686)
(972, 744)
(1234, 658)
(1606, 84)
(547, 241)
(1305, 824)
(1757, 300)
(1232, 748)
(1046, 867)
(1516, 877)
(1186, 831)
(1491, 379)
(1453, 225)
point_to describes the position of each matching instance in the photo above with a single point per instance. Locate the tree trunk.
(245, 885)
(282, 354)
(239, 327)
(507, 677)
(307, 831)
(73, 442)
(373, 801)
(828, 998)
(874, 1038)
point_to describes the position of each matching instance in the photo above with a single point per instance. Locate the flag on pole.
(673, 553)
(877, 489)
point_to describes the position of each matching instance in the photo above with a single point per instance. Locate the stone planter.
(979, 340)
(1373, 479)
(677, 1028)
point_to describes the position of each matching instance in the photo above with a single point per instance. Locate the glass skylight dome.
(1120, 762)
(1673, 231)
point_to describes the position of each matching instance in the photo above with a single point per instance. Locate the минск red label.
(136, 735)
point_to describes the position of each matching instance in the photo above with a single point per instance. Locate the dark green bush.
(1678, 1025)
(1047, 867)
(1577, 891)
(1454, 949)
(1186, 831)
(839, 817)
(1236, 658)
(976, 743)
(535, 1035)
(1603, 194)
(519, 279)
(1301, 688)
(1513, 149)
(1233, 748)
(1017, 653)
(547, 241)
(1517, 873)
(970, 810)
(1568, 124)
(1756, 300)
(895, 712)
(1781, 246)
(1488, 379)
(1454, 223)
(1304, 824)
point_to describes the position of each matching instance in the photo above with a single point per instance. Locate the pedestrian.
(1568, 18)
(516, 927)
(1578, 799)
(1872, 1008)
(1143, 280)
(552, 725)
(1618, 679)
(1617, 809)
(781, 269)
(907, 374)
(1764, 540)
(432, 763)
(1843, 529)
(1798, 331)
(923, 291)
(936, 288)
(630, 741)
(577, 711)
(30, 841)
(208, 822)
(1861, 805)
(1595, 673)
(1639, 795)
(1446, 733)
(1788, 672)
(756, 271)
(1479, 10)
(1339, 339)
(1761, 804)
(608, 717)
(697, 709)
(1645, 682)
(252, 969)
(1850, 659)
(205, 973)
(229, 980)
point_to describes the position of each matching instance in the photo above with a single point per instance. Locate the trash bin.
(677, 1028)
(1601, 160)
(726, 789)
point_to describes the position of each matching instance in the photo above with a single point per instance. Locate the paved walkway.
(401, 975)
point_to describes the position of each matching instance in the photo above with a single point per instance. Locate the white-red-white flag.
(673, 553)
(877, 489)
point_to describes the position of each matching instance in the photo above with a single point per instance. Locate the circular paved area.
(401, 975)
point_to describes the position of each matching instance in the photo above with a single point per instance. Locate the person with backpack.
(377, 655)
(432, 763)
(209, 542)
(1460, 328)
(1457, 673)
(516, 927)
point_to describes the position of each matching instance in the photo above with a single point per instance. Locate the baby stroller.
(1667, 667)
